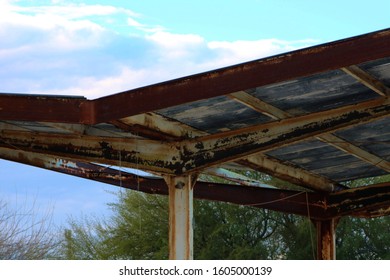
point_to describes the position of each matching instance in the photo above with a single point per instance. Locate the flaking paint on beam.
(375, 198)
(300, 63)
(273, 199)
(205, 151)
(136, 153)
(366, 201)
(245, 76)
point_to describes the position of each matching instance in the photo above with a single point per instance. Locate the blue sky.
(97, 48)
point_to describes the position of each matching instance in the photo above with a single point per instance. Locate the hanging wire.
(138, 182)
(311, 234)
(308, 213)
(275, 200)
(120, 169)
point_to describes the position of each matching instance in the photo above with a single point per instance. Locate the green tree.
(226, 231)
(297, 237)
(363, 239)
(138, 229)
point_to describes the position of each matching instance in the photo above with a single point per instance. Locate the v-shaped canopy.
(315, 117)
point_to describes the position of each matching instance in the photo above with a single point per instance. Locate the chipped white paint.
(180, 217)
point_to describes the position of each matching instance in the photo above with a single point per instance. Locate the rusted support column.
(326, 239)
(181, 216)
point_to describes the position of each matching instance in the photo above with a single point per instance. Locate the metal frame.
(79, 137)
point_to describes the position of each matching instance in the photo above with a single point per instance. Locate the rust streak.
(288, 66)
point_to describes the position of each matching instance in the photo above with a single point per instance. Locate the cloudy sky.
(96, 48)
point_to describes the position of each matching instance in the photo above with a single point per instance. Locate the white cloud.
(175, 41)
(93, 87)
(65, 24)
(240, 51)
(133, 22)
(175, 46)
(75, 11)
(45, 30)
(74, 49)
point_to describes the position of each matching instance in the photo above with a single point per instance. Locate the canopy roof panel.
(315, 117)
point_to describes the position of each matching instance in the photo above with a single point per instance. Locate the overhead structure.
(316, 117)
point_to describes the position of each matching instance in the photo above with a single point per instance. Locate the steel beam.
(46, 108)
(287, 66)
(156, 124)
(341, 144)
(367, 80)
(245, 76)
(183, 156)
(206, 151)
(285, 201)
(86, 170)
(175, 130)
(291, 173)
(365, 201)
(235, 177)
(128, 152)
(259, 105)
(355, 151)
(181, 216)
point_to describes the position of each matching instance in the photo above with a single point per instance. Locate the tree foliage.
(138, 229)
(363, 239)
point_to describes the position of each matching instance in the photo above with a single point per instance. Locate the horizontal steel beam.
(209, 150)
(86, 170)
(135, 153)
(273, 199)
(287, 66)
(46, 108)
(367, 80)
(337, 142)
(160, 125)
(185, 156)
(366, 201)
(291, 173)
(245, 76)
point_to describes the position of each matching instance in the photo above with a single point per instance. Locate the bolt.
(179, 185)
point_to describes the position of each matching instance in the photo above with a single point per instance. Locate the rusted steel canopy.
(315, 117)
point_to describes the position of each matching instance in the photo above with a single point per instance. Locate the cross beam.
(300, 63)
(367, 201)
(135, 153)
(187, 156)
(209, 150)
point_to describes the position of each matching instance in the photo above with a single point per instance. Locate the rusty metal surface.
(279, 68)
(272, 115)
(181, 192)
(315, 117)
(326, 239)
(367, 201)
(213, 149)
(26, 107)
(245, 76)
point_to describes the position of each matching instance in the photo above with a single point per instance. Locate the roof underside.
(315, 117)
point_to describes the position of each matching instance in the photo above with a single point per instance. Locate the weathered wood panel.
(315, 93)
(215, 115)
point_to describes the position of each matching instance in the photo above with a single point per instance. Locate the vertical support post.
(181, 216)
(326, 239)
